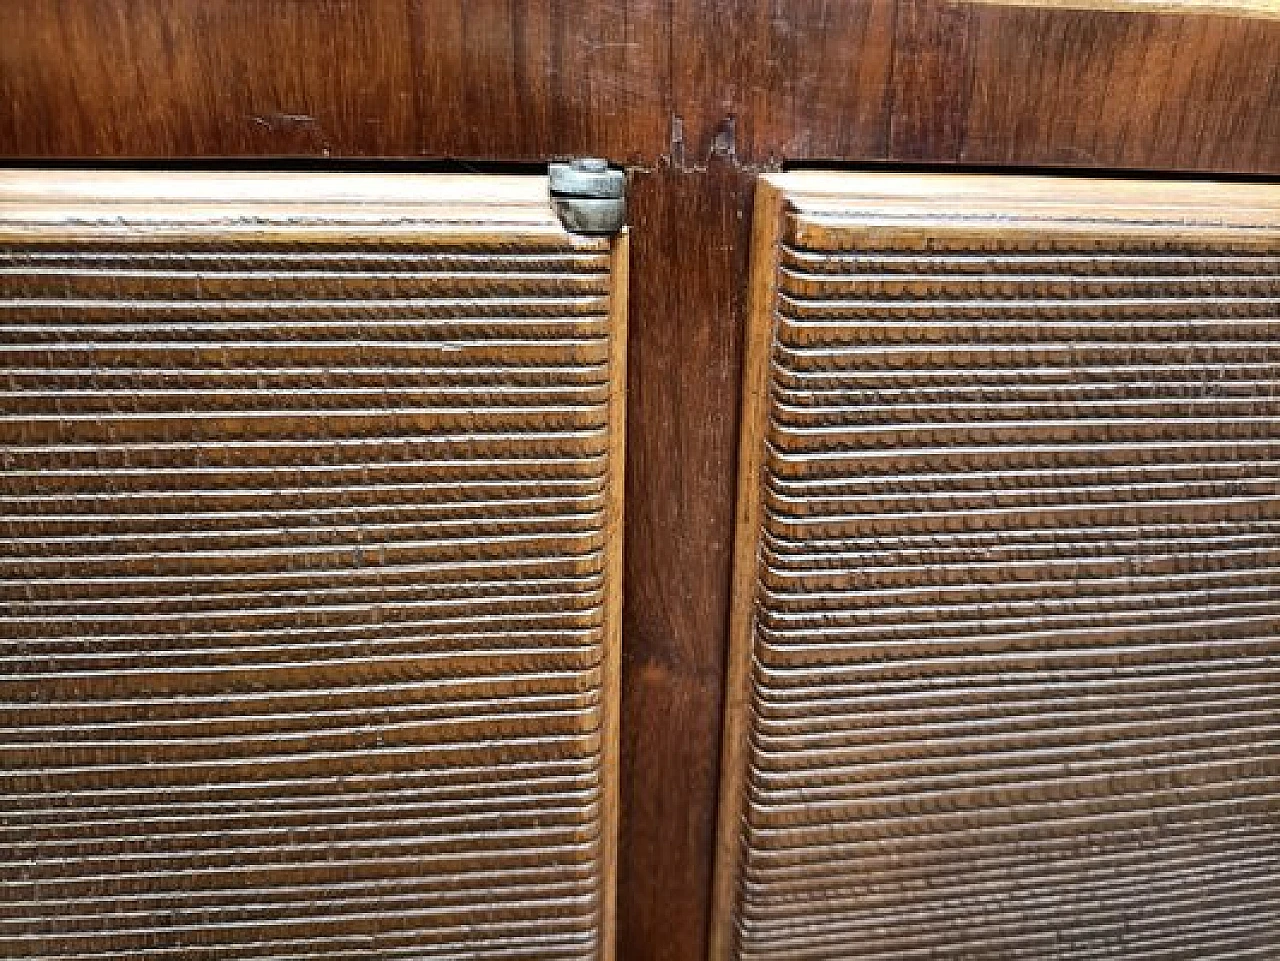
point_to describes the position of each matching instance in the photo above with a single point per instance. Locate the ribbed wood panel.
(309, 569)
(1007, 677)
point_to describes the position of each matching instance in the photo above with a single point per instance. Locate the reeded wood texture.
(309, 514)
(1006, 664)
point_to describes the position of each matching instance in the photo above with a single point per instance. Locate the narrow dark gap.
(284, 165)
(454, 166)
(1092, 173)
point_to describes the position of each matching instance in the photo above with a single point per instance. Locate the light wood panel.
(310, 503)
(1005, 675)
(1226, 8)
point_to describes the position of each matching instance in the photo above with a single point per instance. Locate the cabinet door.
(1006, 662)
(310, 520)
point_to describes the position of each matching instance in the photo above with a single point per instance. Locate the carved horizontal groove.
(532, 946)
(457, 784)
(990, 226)
(990, 882)
(1014, 623)
(130, 589)
(948, 263)
(830, 724)
(482, 271)
(418, 928)
(460, 885)
(305, 560)
(482, 262)
(224, 723)
(308, 629)
(1220, 823)
(1018, 618)
(513, 510)
(374, 232)
(369, 904)
(520, 402)
(453, 531)
(804, 284)
(832, 508)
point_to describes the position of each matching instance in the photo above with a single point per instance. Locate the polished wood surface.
(311, 506)
(679, 537)
(640, 81)
(695, 97)
(1008, 573)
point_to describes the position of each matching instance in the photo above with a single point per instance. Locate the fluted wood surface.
(308, 576)
(1007, 665)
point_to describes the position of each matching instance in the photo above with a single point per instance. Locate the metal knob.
(589, 196)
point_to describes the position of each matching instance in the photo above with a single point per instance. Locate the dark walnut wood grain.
(641, 80)
(309, 512)
(680, 550)
(1006, 676)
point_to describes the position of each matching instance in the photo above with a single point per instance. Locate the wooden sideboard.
(696, 99)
